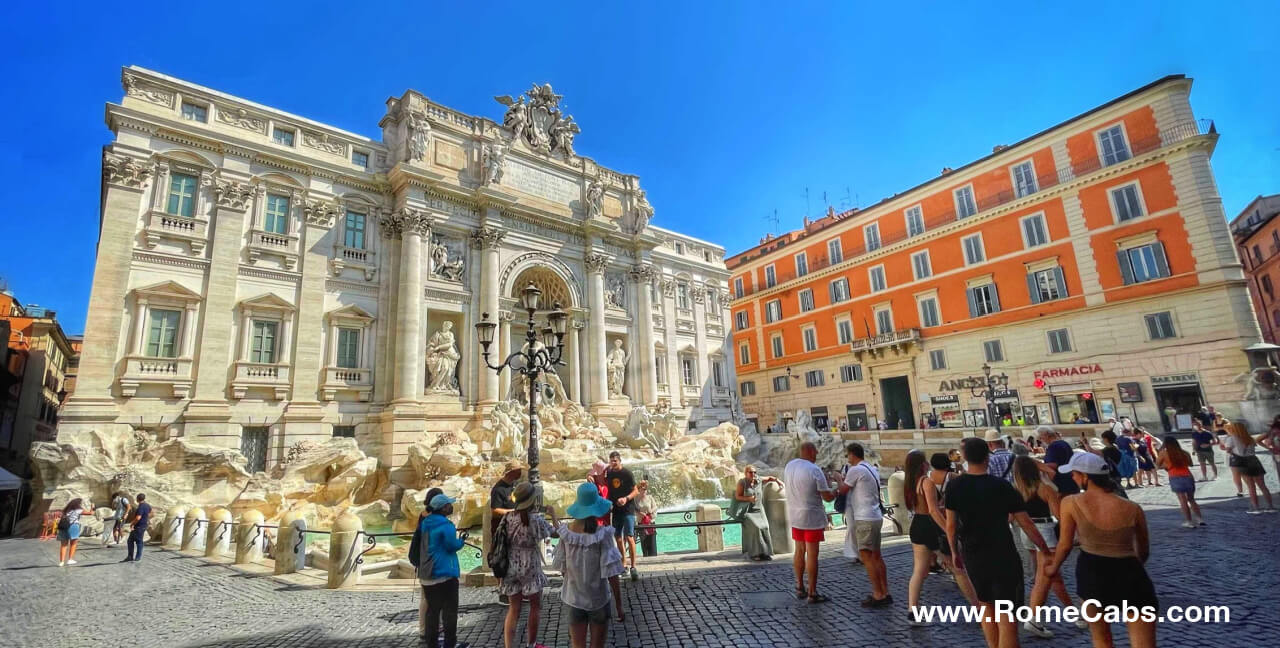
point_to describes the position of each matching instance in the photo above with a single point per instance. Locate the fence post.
(192, 536)
(344, 549)
(249, 538)
(775, 508)
(173, 527)
(710, 538)
(218, 539)
(290, 534)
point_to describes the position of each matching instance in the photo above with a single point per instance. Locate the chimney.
(946, 170)
(999, 147)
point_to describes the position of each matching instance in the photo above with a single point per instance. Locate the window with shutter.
(1125, 201)
(920, 265)
(1024, 179)
(937, 360)
(929, 312)
(871, 234)
(1143, 263)
(806, 300)
(1113, 146)
(993, 351)
(915, 221)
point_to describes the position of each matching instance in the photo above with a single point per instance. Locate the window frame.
(747, 388)
(871, 231)
(1064, 334)
(285, 218)
(915, 266)
(835, 254)
(998, 356)
(744, 353)
(1137, 196)
(203, 107)
(851, 373)
(175, 343)
(739, 288)
(1013, 177)
(769, 315)
(777, 346)
(847, 294)
(367, 157)
(937, 310)
(877, 271)
(1058, 276)
(193, 197)
(982, 249)
(875, 314)
(937, 359)
(359, 342)
(742, 320)
(907, 213)
(363, 230)
(1173, 326)
(770, 276)
(1124, 137)
(1039, 217)
(784, 381)
(807, 334)
(842, 324)
(800, 299)
(815, 378)
(290, 131)
(992, 299)
(688, 370)
(1128, 275)
(973, 198)
(801, 261)
(255, 353)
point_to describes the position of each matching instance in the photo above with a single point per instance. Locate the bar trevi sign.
(1175, 379)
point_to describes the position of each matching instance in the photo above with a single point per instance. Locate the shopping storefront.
(1178, 397)
(1070, 392)
(946, 410)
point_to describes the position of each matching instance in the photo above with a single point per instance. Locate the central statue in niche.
(617, 365)
(442, 361)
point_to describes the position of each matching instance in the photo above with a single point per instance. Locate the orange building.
(1090, 263)
(32, 378)
(1257, 233)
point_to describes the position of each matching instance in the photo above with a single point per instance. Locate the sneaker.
(1254, 511)
(884, 602)
(1239, 494)
(635, 575)
(71, 562)
(503, 599)
(1269, 509)
(911, 621)
(1188, 525)
(1039, 631)
(127, 560)
(62, 563)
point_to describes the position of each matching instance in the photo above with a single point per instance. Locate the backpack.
(499, 553)
(842, 499)
(425, 563)
(64, 524)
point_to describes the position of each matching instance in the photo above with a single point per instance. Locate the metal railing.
(986, 201)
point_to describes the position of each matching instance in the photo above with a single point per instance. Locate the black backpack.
(499, 553)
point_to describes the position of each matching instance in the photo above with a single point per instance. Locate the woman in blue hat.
(438, 571)
(589, 560)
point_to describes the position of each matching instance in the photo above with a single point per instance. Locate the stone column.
(712, 537)
(173, 524)
(487, 238)
(124, 178)
(193, 531)
(574, 357)
(249, 538)
(642, 277)
(596, 374)
(414, 225)
(343, 551)
(705, 382)
(504, 349)
(207, 417)
(218, 540)
(303, 417)
(290, 534)
(775, 509)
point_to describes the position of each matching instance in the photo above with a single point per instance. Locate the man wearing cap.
(439, 575)
(1000, 463)
(502, 501)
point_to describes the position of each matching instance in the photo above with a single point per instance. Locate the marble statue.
(641, 214)
(495, 156)
(562, 133)
(617, 366)
(517, 117)
(638, 431)
(617, 293)
(509, 420)
(1263, 383)
(441, 266)
(442, 360)
(595, 199)
(665, 425)
(420, 140)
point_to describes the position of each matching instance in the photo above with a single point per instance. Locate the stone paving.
(171, 600)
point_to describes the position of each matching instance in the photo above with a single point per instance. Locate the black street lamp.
(537, 357)
(986, 389)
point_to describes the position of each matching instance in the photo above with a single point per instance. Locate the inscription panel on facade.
(536, 182)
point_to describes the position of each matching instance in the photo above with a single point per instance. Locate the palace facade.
(1090, 263)
(264, 279)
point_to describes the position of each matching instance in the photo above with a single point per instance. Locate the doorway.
(895, 394)
(1182, 402)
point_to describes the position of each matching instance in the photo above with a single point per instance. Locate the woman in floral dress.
(525, 531)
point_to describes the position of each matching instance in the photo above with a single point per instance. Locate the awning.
(9, 481)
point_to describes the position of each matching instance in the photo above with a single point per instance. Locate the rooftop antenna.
(807, 210)
(773, 219)
(847, 201)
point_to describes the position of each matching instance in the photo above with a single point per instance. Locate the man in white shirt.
(862, 483)
(806, 489)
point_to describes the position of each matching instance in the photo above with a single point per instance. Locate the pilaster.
(414, 226)
(303, 417)
(487, 239)
(642, 277)
(598, 381)
(1081, 246)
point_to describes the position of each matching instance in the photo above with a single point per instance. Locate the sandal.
(817, 598)
(800, 593)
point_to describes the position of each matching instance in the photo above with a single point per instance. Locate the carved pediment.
(167, 290)
(267, 302)
(350, 313)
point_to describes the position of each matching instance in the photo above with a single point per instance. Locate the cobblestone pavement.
(170, 600)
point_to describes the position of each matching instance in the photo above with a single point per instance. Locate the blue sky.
(727, 111)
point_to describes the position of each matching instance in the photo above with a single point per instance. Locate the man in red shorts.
(807, 487)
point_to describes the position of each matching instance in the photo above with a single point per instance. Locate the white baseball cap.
(1087, 463)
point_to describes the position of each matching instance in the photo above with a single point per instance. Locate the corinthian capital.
(487, 237)
(233, 195)
(414, 221)
(321, 212)
(643, 273)
(596, 262)
(125, 171)
(389, 225)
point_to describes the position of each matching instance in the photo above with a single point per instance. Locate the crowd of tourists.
(135, 515)
(975, 513)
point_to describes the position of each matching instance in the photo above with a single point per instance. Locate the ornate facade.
(264, 279)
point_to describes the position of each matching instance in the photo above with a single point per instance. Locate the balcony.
(338, 379)
(140, 370)
(346, 257)
(851, 254)
(261, 375)
(897, 342)
(284, 246)
(160, 226)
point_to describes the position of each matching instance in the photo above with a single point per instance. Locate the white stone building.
(263, 278)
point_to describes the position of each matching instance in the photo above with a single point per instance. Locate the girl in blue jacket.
(438, 571)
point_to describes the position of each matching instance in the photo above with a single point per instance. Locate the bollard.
(218, 538)
(344, 549)
(486, 538)
(249, 538)
(173, 527)
(289, 560)
(710, 538)
(896, 496)
(193, 530)
(775, 508)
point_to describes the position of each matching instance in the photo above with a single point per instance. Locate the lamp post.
(987, 390)
(535, 358)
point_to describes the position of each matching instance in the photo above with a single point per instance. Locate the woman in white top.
(590, 563)
(1243, 460)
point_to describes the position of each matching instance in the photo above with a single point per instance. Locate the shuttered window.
(1114, 149)
(983, 300)
(1143, 263)
(1046, 285)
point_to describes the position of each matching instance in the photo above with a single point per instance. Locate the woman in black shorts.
(922, 494)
